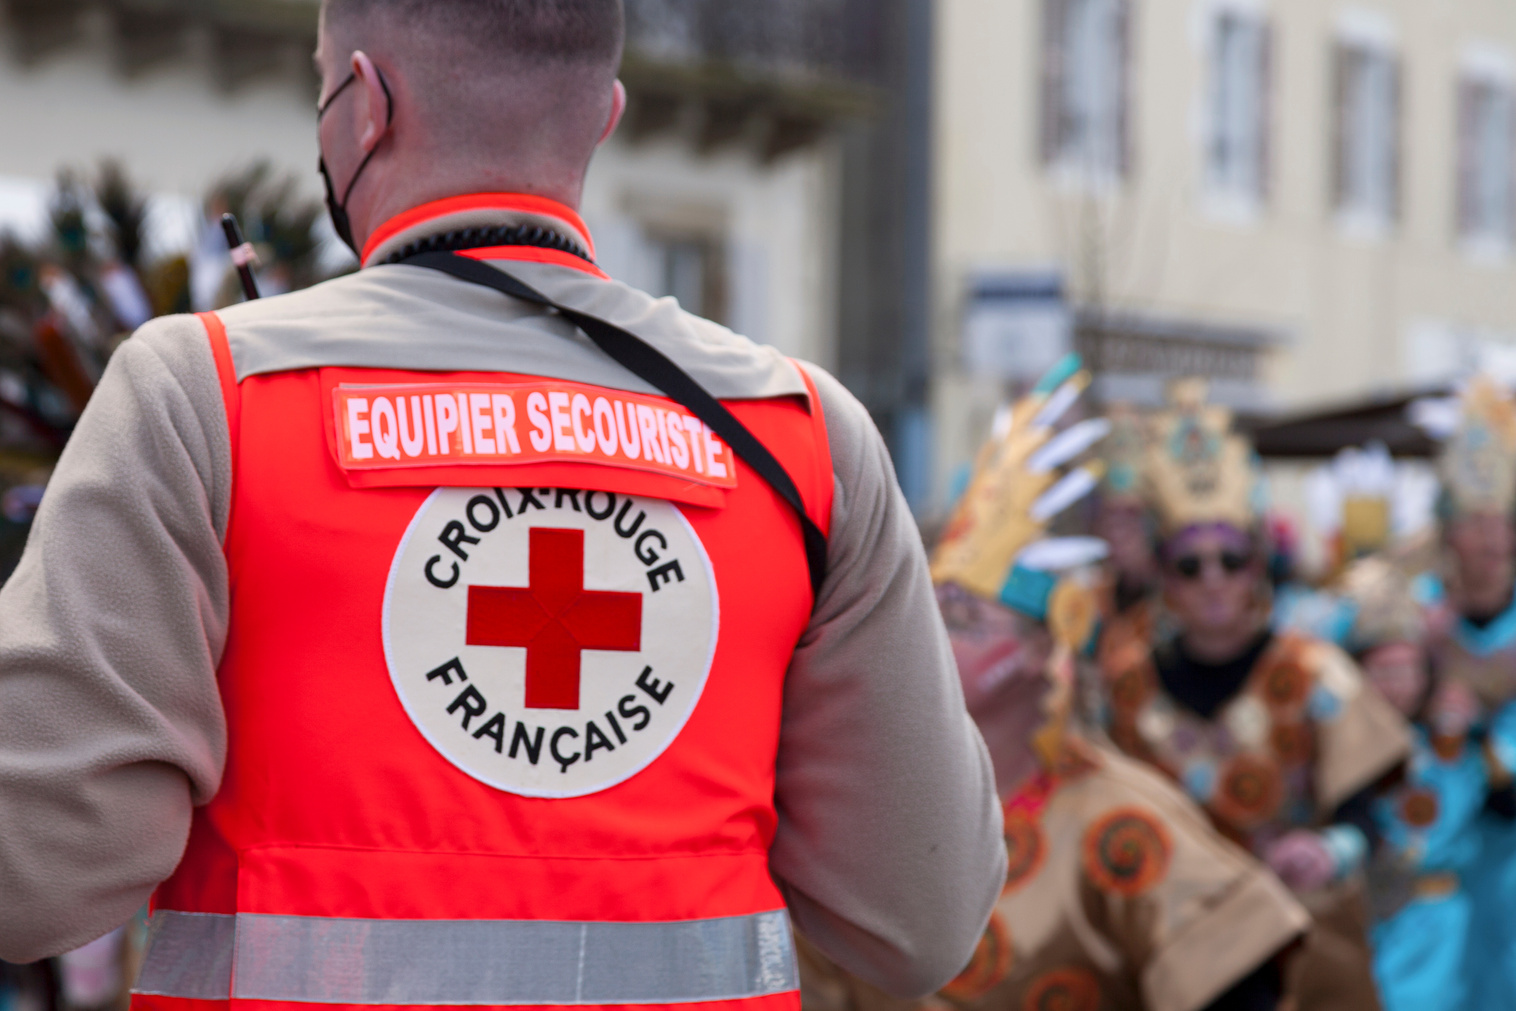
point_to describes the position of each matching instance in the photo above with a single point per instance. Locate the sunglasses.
(1231, 562)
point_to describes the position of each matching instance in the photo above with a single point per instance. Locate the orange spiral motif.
(1286, 685)
(1126, 852)
(991, 964)
(1292, 742)
(1027, 847)
(1063, 990)
(1249, 793)
(1419, 808)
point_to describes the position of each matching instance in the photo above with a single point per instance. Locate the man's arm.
(111, 726)
(889, 846)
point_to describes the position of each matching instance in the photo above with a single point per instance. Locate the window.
(1367, 128)
(1086, 73)
(691, 267)
(1237, 114)
(675, 245)
(1486, 209)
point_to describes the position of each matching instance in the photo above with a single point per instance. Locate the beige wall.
(1347, 307)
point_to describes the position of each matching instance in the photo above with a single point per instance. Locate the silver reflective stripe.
(190, 955)
(331, 961)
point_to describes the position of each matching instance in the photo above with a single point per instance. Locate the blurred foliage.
(127, 211)
(69, 299)
(279, 224)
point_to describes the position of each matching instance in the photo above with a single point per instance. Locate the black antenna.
(244, 258)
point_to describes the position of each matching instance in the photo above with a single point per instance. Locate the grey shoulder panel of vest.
(412, 319)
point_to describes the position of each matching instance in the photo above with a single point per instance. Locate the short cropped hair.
(516, 31)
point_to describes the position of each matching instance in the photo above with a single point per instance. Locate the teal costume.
(1483, 657)
(1492, 881)
(1422, 952)
(1452, 945)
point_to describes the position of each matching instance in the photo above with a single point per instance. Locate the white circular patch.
(549, 643)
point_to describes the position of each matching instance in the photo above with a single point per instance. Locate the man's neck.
(1483, 608)
(1215, 647)
(394, 199)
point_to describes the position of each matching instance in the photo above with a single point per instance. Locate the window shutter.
(1265, 107)
(1509, 225)
(1054, 59)
(1125, 26)
(1341, 135)
(1397, 132)
(1466, 199)
(1213, 142)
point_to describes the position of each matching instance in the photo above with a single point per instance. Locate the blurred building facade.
(723, 187)
(1306, 200)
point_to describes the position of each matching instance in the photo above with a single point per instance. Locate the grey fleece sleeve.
(111, 726)
(889, 847)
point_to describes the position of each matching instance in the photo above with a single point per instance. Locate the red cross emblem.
(555, 618)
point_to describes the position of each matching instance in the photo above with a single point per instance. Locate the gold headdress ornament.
(996, 544)
(1125, 454)
(1367, 480)
(1354, 501)
(1197, 469)
(1478, 462)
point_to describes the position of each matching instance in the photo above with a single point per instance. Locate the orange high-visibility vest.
(503, 685)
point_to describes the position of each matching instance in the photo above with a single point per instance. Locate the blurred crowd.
(69, 297)
(1227, 785)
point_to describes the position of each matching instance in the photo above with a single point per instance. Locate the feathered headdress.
(1371, 603)
(1197, 469)
(1353, 500)
(996, 543)
(1384, 608)
(1478, 462)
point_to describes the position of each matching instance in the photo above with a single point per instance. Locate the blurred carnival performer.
(1478, 470)
(1274, 735)
(1427, 816)
(1129, 605)
(1119, 894)
(1475, 658)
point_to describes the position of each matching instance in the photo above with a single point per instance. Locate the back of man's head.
(519, 80)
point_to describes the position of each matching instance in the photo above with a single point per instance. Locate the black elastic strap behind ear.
(655, 368)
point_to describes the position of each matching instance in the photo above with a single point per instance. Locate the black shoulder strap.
(654, 367)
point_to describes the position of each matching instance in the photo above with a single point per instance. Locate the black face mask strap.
(341, 223)
(653, 366)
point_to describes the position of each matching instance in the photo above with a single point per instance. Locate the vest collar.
(485, 210)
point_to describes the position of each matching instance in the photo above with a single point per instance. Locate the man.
(1119, 895)
(1478, 471)
(1122, 519)
(474, 669)
(1275, 736)
(1129, 598)
(1427, 816)
(1473, 651)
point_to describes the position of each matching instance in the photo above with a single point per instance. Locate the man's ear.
(374, 112)
(618, 109)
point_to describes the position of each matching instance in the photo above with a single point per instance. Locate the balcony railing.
(769, 74)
